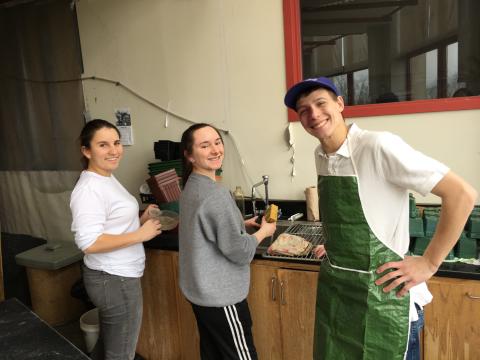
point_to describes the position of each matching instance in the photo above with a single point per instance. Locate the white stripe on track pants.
(225, 332)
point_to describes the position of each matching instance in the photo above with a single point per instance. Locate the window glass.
(360, 82)
(454, 87)
(340, 82)
(423, 76)
(396, 50)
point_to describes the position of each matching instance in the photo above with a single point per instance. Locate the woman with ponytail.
(109, 231)
(215, 250)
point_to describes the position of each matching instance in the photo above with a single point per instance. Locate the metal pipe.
(263, 182)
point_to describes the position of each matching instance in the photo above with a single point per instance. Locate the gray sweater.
(215, 250)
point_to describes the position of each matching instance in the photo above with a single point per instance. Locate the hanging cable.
(167, 110)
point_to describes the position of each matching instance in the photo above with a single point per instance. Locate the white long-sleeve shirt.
(101, 205)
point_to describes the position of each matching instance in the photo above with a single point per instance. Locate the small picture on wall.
(123, 117)
(124, 125)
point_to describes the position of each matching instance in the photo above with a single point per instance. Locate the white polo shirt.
(387, 168)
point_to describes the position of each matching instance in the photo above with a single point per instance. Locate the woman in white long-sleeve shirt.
(109, 231)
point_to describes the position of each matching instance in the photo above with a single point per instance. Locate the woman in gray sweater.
(215, 250)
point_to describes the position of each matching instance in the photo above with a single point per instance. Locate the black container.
(166, 150)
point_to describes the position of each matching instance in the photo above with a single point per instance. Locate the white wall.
(222, 61)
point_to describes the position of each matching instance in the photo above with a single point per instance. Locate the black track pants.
(225, 332)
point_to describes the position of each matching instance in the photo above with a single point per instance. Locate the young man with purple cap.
(370, 295)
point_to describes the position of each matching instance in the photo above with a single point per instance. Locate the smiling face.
(321, 116)
(207, 151)
(104, 152)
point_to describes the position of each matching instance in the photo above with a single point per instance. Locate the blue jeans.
(413, 352)
(120, 305)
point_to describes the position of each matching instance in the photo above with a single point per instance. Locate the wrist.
(432, 265)
(260, 235)
(138, 236)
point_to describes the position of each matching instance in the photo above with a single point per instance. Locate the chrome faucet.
(263, 182)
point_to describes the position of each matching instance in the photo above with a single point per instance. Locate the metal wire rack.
(313, 233)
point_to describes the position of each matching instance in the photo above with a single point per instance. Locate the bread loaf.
(290, 245)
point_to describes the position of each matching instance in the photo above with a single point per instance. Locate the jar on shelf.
(239, 200)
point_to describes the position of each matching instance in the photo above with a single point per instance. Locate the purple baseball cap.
(292, 94)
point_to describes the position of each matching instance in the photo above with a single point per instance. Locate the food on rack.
(290, 245)
(271, 215)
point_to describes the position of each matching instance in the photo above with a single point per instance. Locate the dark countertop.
(23, 335)
(459, 270)
(168, 240)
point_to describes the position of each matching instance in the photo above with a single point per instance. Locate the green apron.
(355, 319)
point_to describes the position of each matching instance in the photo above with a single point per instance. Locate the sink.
(282, 226)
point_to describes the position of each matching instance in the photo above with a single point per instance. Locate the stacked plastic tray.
(167, 150)
(468, 248)
(473, 224)
(162, 166)
(416, 221)
(165, 186)
(423, 223)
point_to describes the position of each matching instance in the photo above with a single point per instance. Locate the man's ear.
(341, 102)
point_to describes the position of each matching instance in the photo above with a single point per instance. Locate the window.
(423, 76)
(388, 52)
(360, 87)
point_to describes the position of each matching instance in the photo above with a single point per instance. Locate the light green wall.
(222, 61)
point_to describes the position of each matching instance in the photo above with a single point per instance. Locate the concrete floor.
(72, 332)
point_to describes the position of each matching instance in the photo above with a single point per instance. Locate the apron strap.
(345, 268)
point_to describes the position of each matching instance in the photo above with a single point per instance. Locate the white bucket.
(89, 324)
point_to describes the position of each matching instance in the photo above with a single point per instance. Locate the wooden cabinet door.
(452, 320)
(263, 301)
(159, 333)
(298, 293)
(189, 338)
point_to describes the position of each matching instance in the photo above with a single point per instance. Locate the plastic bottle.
(218, 175)
(239, 200)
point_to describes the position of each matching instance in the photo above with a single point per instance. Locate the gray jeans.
(120, 303)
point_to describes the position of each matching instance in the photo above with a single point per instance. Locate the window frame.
(441, 48)
(293, 67)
